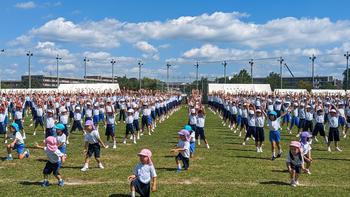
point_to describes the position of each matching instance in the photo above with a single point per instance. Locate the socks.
(86, 165)
(179, 166)
(132, 194)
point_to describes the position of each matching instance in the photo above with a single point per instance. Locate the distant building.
(43, 81)
(292, 82)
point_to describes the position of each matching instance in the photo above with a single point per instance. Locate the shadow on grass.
(250, 157)
(30, 183)
(166, 169)
(274, 183)
(119, 195)
(283, 171)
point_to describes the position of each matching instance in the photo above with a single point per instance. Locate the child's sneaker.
(273, 158)
(9, 158)
(27, 153)
(45, 184)
(338, 149)
(34, 133)
(67, 142)
(208, 147)
(178, 170)
(84, 169)
(261, 149)
(329, 149)
(124, 142)
(296, 182)
(298, 135)
(243, 143)
(114, 146)
(60, 183)
(5, 141)
(101, 166)
(316, 139)
(199, 142)
(293, 184)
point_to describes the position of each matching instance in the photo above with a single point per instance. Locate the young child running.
(55, 158)
(92, 145)
(183, 150)
(192, 139)
(144, 173)
(305, 142)
(200, 135)
(295, 162)
(17, 144)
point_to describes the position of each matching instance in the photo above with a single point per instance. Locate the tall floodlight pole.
(113, 62)
(347, 55)
(251, 62)
(2, 51)
(29, 54)
(140, 65)
(167, 75)
(224, 64)
(57, 60)
(312, 58)
(85, 62)
(197, 65)
(281, 66)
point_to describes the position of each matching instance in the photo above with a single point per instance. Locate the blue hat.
(188, 127)
(15, 126)
(273, 113)
(59, 126)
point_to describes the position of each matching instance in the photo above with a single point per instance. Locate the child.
(143, 174)
(295, 162)
(53, 165)
(136, 123)
(92, 145)
(295, 119)
(64, 120)
(305, 141)
(146, 119)
(76, 120)
(50, 124)
(259, 132)
(39, 119)
(192, 119)
(2, 122)
(110, 128)
(183, 148)
(319, 127)
(333, 134)
(251, 127)
(200, 128)
(96, 114)
(192, 139)
(129, 126)
(61, 138)
(19, 119)
(17, 144)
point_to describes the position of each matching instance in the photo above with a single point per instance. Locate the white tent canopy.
(237, 88)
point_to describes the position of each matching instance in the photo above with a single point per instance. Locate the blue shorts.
(96, 119)
(2, 128)
(275, 136)
(101, 117)
(192, 147)
(19, 123)
(62, 149)
(110, 130)
(341, 120)
(286, 118)
(19, 148)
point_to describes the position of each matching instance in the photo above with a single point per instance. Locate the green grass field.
(227, 169)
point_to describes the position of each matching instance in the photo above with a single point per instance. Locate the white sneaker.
(261, 149)
(208, 146)
(344, 135)
(24, 137)
(124, 142)
(338, 149)
(316, 139)
(243, 143)
(131, 137)
(199, 142)
(298, 135)
(101, 166)
(293, 184)
(296, 182)
(135, 142)
(329, 149)
(308, 172)
(240, 134)
(67, 142)
(107, 146)
(114, 146)
(235, 131)
(257, 149)
(326, 140)
(5, 142)
(34, 133)
(31, 125)
(84, 169)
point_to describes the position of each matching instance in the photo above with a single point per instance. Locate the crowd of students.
(304, 115)
(60, 114)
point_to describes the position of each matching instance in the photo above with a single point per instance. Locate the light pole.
(140, 65)
(167, 75)
(197, 65)
(251, 62)
(113, 62)
(85, 62)
(2, 51)
(57, 59)
(224, 64)
(29, 54)
(281, 66)
(312, 58)
(347, 55)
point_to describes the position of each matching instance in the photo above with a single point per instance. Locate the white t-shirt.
(110, 119)
(129, 119)
(77, 116)
(61, 139)
(92, 137)
(333, 122)
(200, 121)
(136, 115)
(274, 125)
(64, 119)
(18, 137)
(145, 172)
(50, 122)
(55, 156)
(260, 120)
(185, 145)
(193, 120)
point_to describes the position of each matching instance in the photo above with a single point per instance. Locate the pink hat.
(51, 143)
(295, 144)
(185, 133)
(147, 153)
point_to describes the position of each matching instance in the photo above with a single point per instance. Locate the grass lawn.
(227, 169)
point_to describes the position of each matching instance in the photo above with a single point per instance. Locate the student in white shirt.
(200, 134)
(136, 122)
(39, 118)
(183, 150)
(110, 128)
(92, 145)
(144, 173)
(129, 127)
(333, 134)
(17, 144)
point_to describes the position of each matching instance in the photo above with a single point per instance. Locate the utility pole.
(113, 62)
(167, 75)
(140, 65)
(197, 65)
(347, 55)
(29, 54)
(251, 62)
(57, 59)
(85, 62)
(281, 66)
(224, 64)
(312, 58)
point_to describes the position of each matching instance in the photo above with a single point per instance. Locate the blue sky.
(180, 32)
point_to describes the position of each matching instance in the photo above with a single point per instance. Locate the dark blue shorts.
(136, 125)
(94, 149)
(129, 129)
(110, 130)
(141, 188)
(52, 168)
(259, 134)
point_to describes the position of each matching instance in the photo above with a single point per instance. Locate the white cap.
(258, 110)
(130, 111)
(333, 111)
(251, 112)
(96, 104)
(193, 111)
(77, 108)
(88, 103)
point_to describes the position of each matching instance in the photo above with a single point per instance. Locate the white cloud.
(26, 5)
(146, 47)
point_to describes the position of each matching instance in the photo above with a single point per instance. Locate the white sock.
(86, 165)
(9, 155)
(179, 166)
(132, 194)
